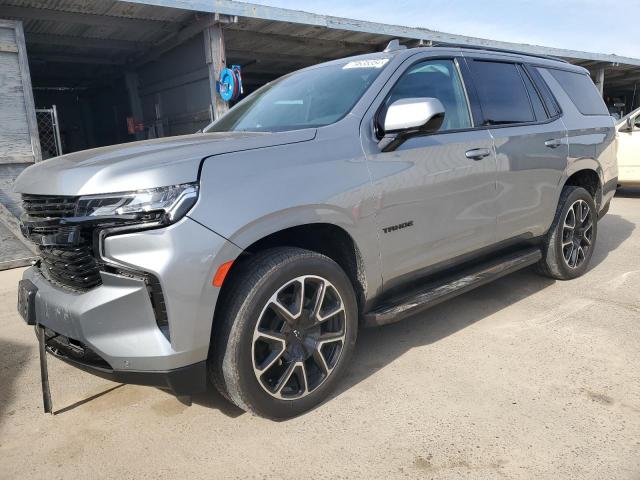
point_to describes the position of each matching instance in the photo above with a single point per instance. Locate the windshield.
(306, 99)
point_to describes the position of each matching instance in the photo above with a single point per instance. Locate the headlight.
(164, 204)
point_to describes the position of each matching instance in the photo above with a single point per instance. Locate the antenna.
(394, 45)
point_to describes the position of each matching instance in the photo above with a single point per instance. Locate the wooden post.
(216, 61)
(600, 81)
(24, 78)
(131, 79)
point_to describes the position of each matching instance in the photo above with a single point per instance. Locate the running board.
(438, 291)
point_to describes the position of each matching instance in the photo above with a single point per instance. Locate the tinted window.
(538, 107)
(436, 79)
(309, 98)
(582, 92)
(548, 99)
(502, 94)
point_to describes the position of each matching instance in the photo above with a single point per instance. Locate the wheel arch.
(322, 237)
(590, 177)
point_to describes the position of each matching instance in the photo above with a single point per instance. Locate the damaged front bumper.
(112, 330)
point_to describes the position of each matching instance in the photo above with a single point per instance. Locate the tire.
(558, 261)
(266, 361)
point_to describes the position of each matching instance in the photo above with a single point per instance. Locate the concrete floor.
(523, 378)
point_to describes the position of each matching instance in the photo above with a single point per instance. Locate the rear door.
(435, 198)
(530, 143)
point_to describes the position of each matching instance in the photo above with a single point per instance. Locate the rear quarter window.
(582, 92)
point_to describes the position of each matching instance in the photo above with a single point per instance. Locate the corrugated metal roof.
(268, 38)
(95, 18)
(266, 13)
(152, 20)
(104, 7)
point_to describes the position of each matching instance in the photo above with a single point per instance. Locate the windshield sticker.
(376, 63)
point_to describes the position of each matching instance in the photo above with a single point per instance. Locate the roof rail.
(498, 50)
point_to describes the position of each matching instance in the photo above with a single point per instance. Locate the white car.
(629, 149)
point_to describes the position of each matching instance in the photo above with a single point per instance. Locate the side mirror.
(628, 125)
(410, 117)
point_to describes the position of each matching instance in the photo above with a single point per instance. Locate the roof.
(469, 52)
(266, 41)
(361, 31)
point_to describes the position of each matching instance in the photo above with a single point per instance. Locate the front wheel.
(570, 242)
(285, 332)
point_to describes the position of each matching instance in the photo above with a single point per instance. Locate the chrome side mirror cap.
(414, 114)
(410, 117)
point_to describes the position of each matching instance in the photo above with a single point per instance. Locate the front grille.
(45, 206)
(74, 267)
(66, 251)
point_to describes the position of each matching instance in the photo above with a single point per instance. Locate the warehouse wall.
(90, 117)
(174, 90)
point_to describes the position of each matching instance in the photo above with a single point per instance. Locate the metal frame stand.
(44, 371)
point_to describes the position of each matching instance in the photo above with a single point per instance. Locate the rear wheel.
(285, 332)
(570, 242)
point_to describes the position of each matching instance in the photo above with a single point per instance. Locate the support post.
(600, 81)
(131, 79)
(56, 125)
(216, 62)
(23, 65)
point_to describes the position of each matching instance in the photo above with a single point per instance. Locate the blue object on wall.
(229, 85)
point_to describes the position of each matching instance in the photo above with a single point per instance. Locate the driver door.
(436, 193)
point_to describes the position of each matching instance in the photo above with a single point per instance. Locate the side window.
(547, 97)
(436, 79)
(534, 96)
(582, 92)
(502, 93)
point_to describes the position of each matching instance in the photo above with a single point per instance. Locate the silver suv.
(352, 193)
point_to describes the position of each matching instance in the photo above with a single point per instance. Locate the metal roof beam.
(87, 19)
(628, 80)
(270, 57)
(173, 40)
(83, 42)
(298, 46)
(250, 10)
(83, 59)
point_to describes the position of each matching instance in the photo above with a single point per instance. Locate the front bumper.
(116, 320)
(180, 381)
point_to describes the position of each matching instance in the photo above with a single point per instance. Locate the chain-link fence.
(49, 131)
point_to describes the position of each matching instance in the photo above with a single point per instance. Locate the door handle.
(553, 143)
(477, 153)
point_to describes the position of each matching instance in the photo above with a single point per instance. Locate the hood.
(139, 165)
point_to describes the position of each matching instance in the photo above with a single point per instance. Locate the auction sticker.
(373, 63)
